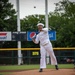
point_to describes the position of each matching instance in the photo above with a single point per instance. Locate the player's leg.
(42, 59)
(52, 55)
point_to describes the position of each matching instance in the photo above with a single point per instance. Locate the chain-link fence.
(32, 55)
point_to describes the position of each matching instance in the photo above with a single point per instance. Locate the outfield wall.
(32, 55)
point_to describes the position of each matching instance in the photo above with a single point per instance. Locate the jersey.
(42, 37)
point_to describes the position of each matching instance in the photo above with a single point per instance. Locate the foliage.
(66, 23)
(6, 12)
(30, 22)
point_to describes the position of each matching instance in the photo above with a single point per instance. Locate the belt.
(45, 44)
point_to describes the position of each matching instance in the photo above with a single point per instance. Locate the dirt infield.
(46, 72)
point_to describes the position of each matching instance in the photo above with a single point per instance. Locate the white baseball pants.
(49, 49)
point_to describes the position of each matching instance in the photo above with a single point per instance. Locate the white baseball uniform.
(45, 45)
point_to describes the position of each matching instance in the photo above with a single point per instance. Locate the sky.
(27, 6)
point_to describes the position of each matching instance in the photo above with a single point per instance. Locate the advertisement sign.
(52, 35)
(5, 36)
(19, 36)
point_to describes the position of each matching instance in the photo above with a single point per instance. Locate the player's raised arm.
(45, 29)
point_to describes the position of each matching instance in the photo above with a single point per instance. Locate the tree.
(6, 12)
(30, 22)
(64, 22)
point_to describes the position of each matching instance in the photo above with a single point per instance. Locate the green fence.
(32, 55)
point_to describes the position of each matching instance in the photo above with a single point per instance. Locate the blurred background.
(61, 16)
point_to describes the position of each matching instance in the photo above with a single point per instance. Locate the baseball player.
(45, 45)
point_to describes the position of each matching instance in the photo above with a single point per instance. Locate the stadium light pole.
(46, 22)
(18, 29)
(46, 13)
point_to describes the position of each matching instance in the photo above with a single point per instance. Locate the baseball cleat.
(56, 67)
(40, 70)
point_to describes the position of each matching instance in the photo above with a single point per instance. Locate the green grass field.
(31, 67)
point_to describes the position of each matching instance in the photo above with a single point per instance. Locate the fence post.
(74, 55)
(12, 57)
